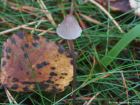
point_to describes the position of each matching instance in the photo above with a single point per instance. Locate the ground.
(108, 62)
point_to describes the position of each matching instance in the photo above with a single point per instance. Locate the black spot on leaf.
(26, 45)
(61, 77)
(53, 74)
(21, 35)
(8, 57)
(26, 89)
(44, 86)
(15, 80)
(13, 41)
(26, 82)
(14, 86)
(61, 49)
(8, 50)
(49, 81)
(72, 62)
(3, 63)
(5, 85)
(35, 44)
(41, 65)
(36, 37)
(26, 55)
(39, 73)
(53, 68)
(27, 73)
(63, 73)
(9, 77)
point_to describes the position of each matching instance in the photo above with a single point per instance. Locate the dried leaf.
(120, 5)
(116, 5)
(30, 60)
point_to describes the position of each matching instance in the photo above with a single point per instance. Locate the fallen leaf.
(29, 61)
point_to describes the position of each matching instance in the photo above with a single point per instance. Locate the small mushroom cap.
(135, 4)
(69, 28)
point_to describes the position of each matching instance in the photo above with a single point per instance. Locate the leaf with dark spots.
(29, 60)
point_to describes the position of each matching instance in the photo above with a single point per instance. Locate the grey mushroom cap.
(69, 28)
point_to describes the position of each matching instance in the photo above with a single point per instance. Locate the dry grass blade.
(6, 23)
(125, 85)
(30, 28)
(108, 14)
(39, 30)
(89, 102)
(88, 18)
(81, 22)
(47, 31)
(26, 9)
(32, 11)
(47, 13)
(21, 26)
(10, 97)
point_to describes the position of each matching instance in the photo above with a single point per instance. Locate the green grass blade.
(126, 39)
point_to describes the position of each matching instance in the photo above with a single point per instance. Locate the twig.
(46, 31)
(47, 13)
(89, 102)
(7, 23)
(125, 85)
(25, 8)
(88, 18)
(18, 27)
(79, 98)
(30, 10)
(40, 30)
(106, 12)
(82, 24)
(10, 97)
(36, 26)
(30, 28)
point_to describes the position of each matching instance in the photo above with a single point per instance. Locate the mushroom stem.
(72, 7)
(71, 49)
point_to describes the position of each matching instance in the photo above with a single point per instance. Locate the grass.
(108, 62)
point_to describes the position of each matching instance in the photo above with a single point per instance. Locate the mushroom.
(69, 28)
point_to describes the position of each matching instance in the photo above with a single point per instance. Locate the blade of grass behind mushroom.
(124, 41)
